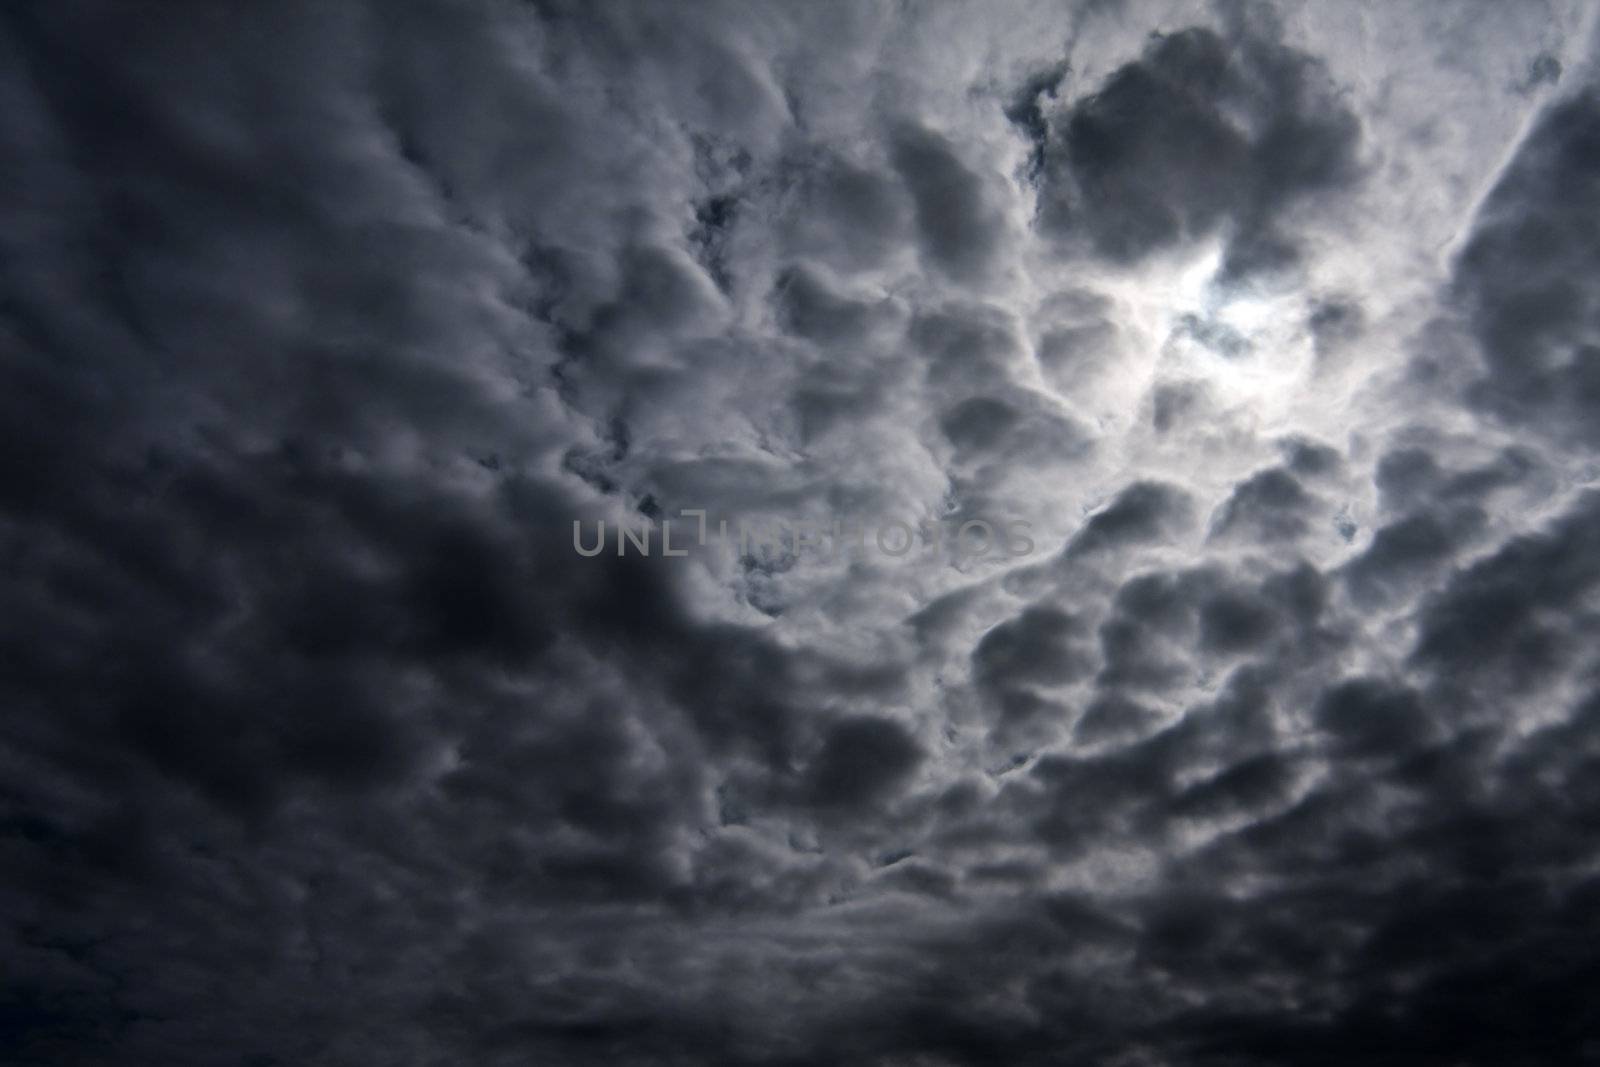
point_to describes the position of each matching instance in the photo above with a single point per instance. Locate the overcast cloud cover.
(321, 323)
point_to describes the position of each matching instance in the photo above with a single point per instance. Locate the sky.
(1168, 440)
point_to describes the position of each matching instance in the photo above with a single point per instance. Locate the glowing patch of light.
(1247, 346)
(1245, 315)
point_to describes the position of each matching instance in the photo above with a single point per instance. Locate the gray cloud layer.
(320, 325)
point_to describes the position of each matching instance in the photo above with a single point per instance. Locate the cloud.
(1203, 133)
(1270, 505)
(960, 229)
(1523, 278)
(321, 327)
(861, 760)
(1144, 512)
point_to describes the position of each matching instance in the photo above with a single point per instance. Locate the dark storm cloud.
(1036, 646)
(248, 609)
(320, 325)
(1334, 325)
(960, 228)
(821, 313)
(1412, 476)
(968, 345)
(855, 215)
(1372, 719)
(1270, 505)
(1018, 426)
(1040, 648)
(1310, 458)
(1233, 621)
(1517, 617)
(1204, 133)
(1177, 405)
(1525, 278)
(1114, 716)
(861, 760)
(1409, 550)
(1143, 513)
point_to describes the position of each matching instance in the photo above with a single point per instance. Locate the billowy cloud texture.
(321, 325)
